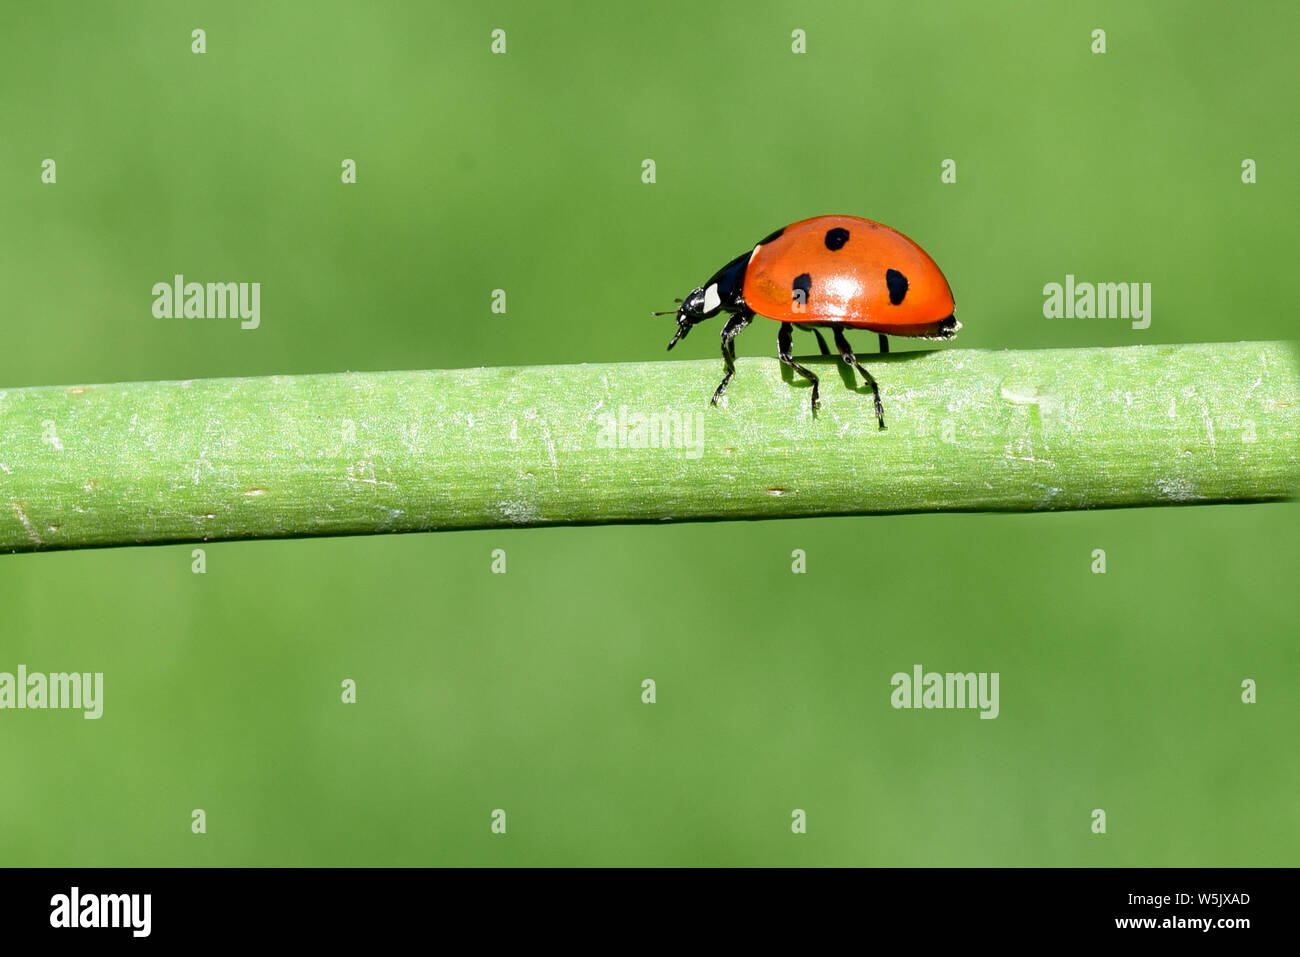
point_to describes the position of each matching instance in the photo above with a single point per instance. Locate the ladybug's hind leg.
(729, 332)
(783, 340)
(846, 353)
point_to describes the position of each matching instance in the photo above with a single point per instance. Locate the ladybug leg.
(783, 341)
(846, 353)
(821, 343)
(729, 331)
(884, 345)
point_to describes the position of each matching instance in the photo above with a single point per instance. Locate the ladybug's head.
(696, 307)
(724, 290)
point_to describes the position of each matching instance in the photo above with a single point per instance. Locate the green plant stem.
(368, 452)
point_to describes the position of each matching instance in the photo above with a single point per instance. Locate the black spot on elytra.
(897, 284)
(801, 286)
(836, 238)
(770, 236)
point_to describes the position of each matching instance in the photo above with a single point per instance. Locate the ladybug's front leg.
(729, 331)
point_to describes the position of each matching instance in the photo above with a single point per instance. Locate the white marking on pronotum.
(711, 298)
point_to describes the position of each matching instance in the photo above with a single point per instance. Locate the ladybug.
(832, 272)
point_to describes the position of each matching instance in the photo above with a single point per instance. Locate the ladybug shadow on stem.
(848, 364)
(848, 375)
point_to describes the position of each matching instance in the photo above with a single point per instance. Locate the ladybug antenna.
(670, 312)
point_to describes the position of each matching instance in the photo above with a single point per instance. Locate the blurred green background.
(522, 691)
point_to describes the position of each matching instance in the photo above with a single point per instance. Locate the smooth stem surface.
(360, 453)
